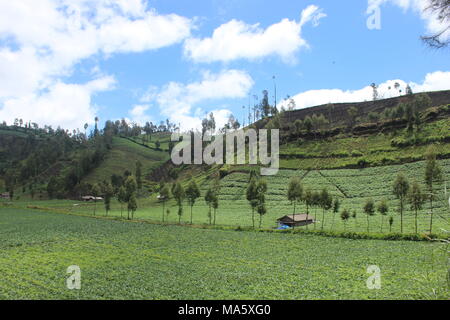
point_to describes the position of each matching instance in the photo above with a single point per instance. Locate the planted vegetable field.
(122, 260)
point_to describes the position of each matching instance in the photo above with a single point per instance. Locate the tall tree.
(179, 194)
(400, 190)
(192, 194)
(345, 215)
(164, 196)
(295, 192)
(122, 198)
(209, 199)
(369, 210)
(108, 193)
(416, 199)
(383, 209)
(132, 205)
(336, 207)
(309, 203)
(130, 188)
(252, 195)
(261, 190)
(316, 204)
(326, 203)
(433, 174)
(95, 193)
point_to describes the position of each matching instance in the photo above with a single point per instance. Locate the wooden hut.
(297, 220)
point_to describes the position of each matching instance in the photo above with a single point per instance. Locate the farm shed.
(4, 196)
(91, 198)
(297, 220)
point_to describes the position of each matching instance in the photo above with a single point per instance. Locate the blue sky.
(148, 61)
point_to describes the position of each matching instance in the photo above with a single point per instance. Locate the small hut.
(4, 195)
(297, 220)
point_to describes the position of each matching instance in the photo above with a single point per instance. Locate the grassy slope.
(373, 148)
(121, 260)
(123, 156)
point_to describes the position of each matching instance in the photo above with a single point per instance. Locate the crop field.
(126, 260)
(352, 186)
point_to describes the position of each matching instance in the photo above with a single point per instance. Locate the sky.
(64, 62)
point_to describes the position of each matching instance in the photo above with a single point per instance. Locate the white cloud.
(139, 114)
(61, 104)
(43, 41)
(432, 24)
(433, 82)
(238, 40)
(176, 100)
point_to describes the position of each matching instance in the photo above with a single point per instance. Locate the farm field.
(352, 186)
(125, 260)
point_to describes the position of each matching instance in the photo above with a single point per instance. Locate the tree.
(345, 215)
(108, 193)
(215, 206)
(179, 194)
(95, 193)
(192, 194)
(433, 173)
(400, 190)
(139, 174)
(122, 198)
(309, 202)
(261, 190)
(295, 192)
(383, 209)
(416, 200)
(440, 9)
(326, 203)
(369, 210)
(252, 195)
(316, 204)
(209, 199)
(307, 123)
(132, 205)
(336, 207)
(164, 195)
(130, 189)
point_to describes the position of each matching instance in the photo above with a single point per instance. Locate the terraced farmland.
(121, 260)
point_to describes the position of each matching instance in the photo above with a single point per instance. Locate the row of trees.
(403, 190)
(191, 193)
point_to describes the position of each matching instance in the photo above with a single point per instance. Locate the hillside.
(336, 144)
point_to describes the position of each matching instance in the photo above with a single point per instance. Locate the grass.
(121, 260)
(123, 156)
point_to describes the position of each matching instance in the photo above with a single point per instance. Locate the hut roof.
(297, 218)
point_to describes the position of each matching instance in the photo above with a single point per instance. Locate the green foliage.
(134, 261)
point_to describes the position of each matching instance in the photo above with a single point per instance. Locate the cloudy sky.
(63, 62)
